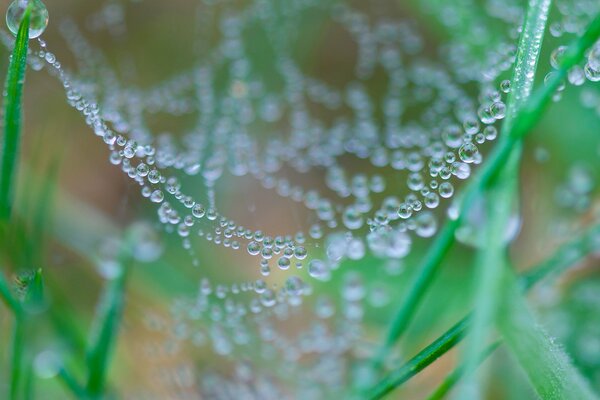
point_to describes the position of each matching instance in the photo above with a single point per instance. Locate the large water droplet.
(38, 20)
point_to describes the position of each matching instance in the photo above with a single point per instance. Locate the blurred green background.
(71, 200)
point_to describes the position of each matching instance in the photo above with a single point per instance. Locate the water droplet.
(198, 211)
(425, 224)
(267, 298)
(353, 289)
(591, 73)
(557, 56)
(319, 270)
(294, 286)
(284, 263)
(146, 242)
(38, 19)
(300, 253)
(446, 190)
(352, 218)
(468, 152)
(387, 242)
(253, 248)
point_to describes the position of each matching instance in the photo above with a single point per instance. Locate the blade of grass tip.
(548, 367)
(12, 116)
(34, 300)
(566, 256)
(529, 114)
(500, 198)
(455, 376)
(107, 323)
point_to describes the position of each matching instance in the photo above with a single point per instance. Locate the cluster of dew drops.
(422, 135)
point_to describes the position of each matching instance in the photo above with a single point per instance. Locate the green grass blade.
(419, 362)
(501, 196)
(12, 117)
(488, 291)
(106, 327)
(33, 302)
(548, 367)
(566, 256)
(426, 273)
(454, 377)
(528, 53)
(29, 384)
(17, 348)
(529, 114)
(71, 384)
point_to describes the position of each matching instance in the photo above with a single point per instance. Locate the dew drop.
(319, 270)
(38, 20)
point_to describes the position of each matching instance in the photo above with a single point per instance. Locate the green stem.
(12, 117)
(559, 261)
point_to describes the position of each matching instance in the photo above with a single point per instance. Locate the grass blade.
(33, 302)
(501, 196)
(488, 291)
(71, 384)
(12, 117)
(566, 256)
(17, 347)
(548, 367)
(529, 114)
(419, 362)
(458, 373)
(103, 337)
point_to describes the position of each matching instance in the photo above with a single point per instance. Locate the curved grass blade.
(12, 117)
(529, 114)
(566, 256)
